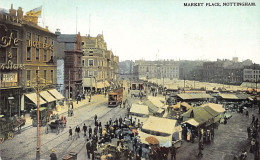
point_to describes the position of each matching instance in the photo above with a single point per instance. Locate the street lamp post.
(194, 81)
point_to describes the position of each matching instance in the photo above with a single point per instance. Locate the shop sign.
(9, 77)
(7, 41)
(40, 45)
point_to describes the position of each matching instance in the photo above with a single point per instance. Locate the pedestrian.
(247, 114)
(88, 148)
(89, 132)
(173, 153)
(70, 133)
(248, 132)
(110, 121)
(85, 129)
(253, 119)
(200, 149)
(77, 130)
(212, 133)
(53, 155)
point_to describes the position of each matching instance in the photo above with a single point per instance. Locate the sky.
(156, 29)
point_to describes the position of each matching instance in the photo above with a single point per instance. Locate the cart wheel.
(58, 130)
(10, 135)
(47, 129)
(2, 138)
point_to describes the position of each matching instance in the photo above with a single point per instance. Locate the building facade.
(26, 51)
(100, 66)
(251, 73)
(70, 54)
(156, 69)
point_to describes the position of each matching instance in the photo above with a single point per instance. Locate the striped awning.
(46, 95)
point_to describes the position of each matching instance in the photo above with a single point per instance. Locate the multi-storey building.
(156, 69)
(251, 73)
(100, 66)
(26, 50)
(70, 53)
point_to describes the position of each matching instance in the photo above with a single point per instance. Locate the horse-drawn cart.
(8, 126)
(56, 126)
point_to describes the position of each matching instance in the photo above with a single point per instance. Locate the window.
(28, 74)
(45, 55)
(37, 54)
(83, 62)
(29, 54)
(52, 76)
(90, 73)
(38, 38)
(45, 75)
(91, 62)
(52, 41)
(29, 35)
(45, 39)
(52, 54)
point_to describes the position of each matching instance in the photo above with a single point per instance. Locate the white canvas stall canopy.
(161, 125)
(139, 109)
(107, 84)
(33, 98)
(56, 94)
(192, 122)
(156, 101)
(47, 96)
(163, 141)
(217, 107)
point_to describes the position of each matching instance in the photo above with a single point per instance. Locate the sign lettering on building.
(7, 40)
(9, 77)
(40, 45)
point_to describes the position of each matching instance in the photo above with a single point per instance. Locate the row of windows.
(38, 38)
(37, 52)
(29, 75)
(90, 62)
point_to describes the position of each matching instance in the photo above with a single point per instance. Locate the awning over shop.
(46, 95)
(33, 98)
(100, 85)
(56, 94)
(107, 84)
(89, 82)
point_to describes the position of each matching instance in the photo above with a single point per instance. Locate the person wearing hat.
(53, 155)
(88, 147)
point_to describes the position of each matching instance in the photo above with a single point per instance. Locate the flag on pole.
(36, 11)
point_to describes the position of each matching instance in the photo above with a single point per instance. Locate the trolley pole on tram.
(38, 116)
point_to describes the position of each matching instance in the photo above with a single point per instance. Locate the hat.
(52, 150)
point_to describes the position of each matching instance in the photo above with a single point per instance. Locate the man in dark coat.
(85, 129)
(70, 133)
(88, 147)
(89, 132)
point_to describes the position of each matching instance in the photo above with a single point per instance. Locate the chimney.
(57, 32)
(20, 13)
(12, 11)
